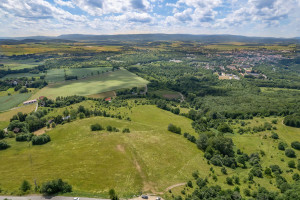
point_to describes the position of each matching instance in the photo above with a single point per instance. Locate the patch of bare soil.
(121, 148)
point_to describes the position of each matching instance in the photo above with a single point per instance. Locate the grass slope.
(149, 159)
(93, 85)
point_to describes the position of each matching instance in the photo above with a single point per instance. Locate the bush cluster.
(4, 145)
(40, 139)
(55, 186)
(96, 127)
(174, 129)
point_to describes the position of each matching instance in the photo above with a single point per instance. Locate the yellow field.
(40, 48)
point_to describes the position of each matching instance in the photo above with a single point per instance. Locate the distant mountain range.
(151, 37)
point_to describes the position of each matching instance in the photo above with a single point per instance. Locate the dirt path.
(174, 186)
(37, 106)
(182, 97)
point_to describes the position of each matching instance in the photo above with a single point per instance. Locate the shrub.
(223, 170)
(112, 129)
(126, 130)
(201, 182)
(282, 146)
(290, 153)
(191, 138)
(292, 164)
(247, 192)
(296, 145)
(24, 137)
(275, 169)
(296, 177)
(2, 134)
(55, 186)
(113, 195)
(190, 184)
(96, 127)
(236, 180)
(25, 186)
(109, 128)
(224, 128)
(4, 145)
(40, 139)
(256, 171)
(174, 129)
(229, 181)
(274, 135)
(216, 160)
(268, 171)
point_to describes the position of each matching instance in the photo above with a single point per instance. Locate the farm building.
(108, 99)
(16, 130)
(29, 102)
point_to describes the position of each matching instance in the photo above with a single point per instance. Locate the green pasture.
(148, 159)
(8, 102)
(58, 75)
(93, 85)
(19, 64)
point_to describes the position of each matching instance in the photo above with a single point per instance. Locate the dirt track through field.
(174, 186)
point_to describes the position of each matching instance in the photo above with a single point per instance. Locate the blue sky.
(277, 18)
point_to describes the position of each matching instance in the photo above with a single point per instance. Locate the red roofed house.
(108, 99)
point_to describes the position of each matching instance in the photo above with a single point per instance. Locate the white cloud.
(64, 3)
(102, 7)
(263, 17)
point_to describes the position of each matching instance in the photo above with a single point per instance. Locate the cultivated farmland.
(93, 85)
(8, 102)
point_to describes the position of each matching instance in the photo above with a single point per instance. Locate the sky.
(275, 18)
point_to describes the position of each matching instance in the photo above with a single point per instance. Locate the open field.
(168, 94)
(19, 64)
(8, 102)
(149, 159)
(93, 85)
(9, 91)
(43, 47)
(5, 116)
(58, 75)
(103, 95)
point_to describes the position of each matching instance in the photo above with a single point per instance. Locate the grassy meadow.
(93, 85)
(148, 159)
(8, 102)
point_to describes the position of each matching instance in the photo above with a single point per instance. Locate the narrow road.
(44, 198)
(37, 106)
